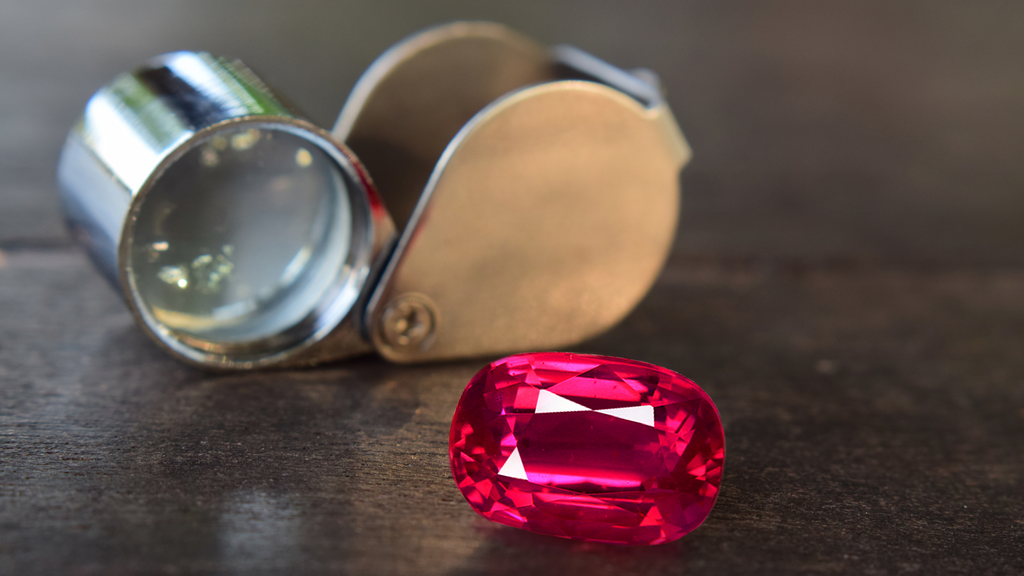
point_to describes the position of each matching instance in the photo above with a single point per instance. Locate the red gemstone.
(588, 447)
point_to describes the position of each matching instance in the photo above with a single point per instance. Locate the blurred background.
(873, 129)
(846, 284)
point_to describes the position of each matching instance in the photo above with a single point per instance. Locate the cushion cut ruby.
(588, 447)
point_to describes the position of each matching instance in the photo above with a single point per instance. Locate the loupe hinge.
(408, 324)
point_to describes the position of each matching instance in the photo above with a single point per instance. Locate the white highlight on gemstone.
(639, 414)
(550, 402)
(513, 467)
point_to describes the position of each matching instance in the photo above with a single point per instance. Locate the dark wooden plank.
(874, 418)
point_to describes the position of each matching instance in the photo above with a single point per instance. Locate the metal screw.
(408, 322)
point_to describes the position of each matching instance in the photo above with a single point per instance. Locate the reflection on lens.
(242, 237)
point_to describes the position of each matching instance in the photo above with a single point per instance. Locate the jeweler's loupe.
(535, 191)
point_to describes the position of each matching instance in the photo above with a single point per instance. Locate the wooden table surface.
(847, 284)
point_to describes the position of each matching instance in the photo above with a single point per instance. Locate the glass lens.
(243, 237)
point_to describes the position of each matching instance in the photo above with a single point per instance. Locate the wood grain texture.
(873, 419)
(846, 285)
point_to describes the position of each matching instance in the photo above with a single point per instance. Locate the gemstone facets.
(588, 447)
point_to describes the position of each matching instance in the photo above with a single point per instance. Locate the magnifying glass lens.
(242, 237)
